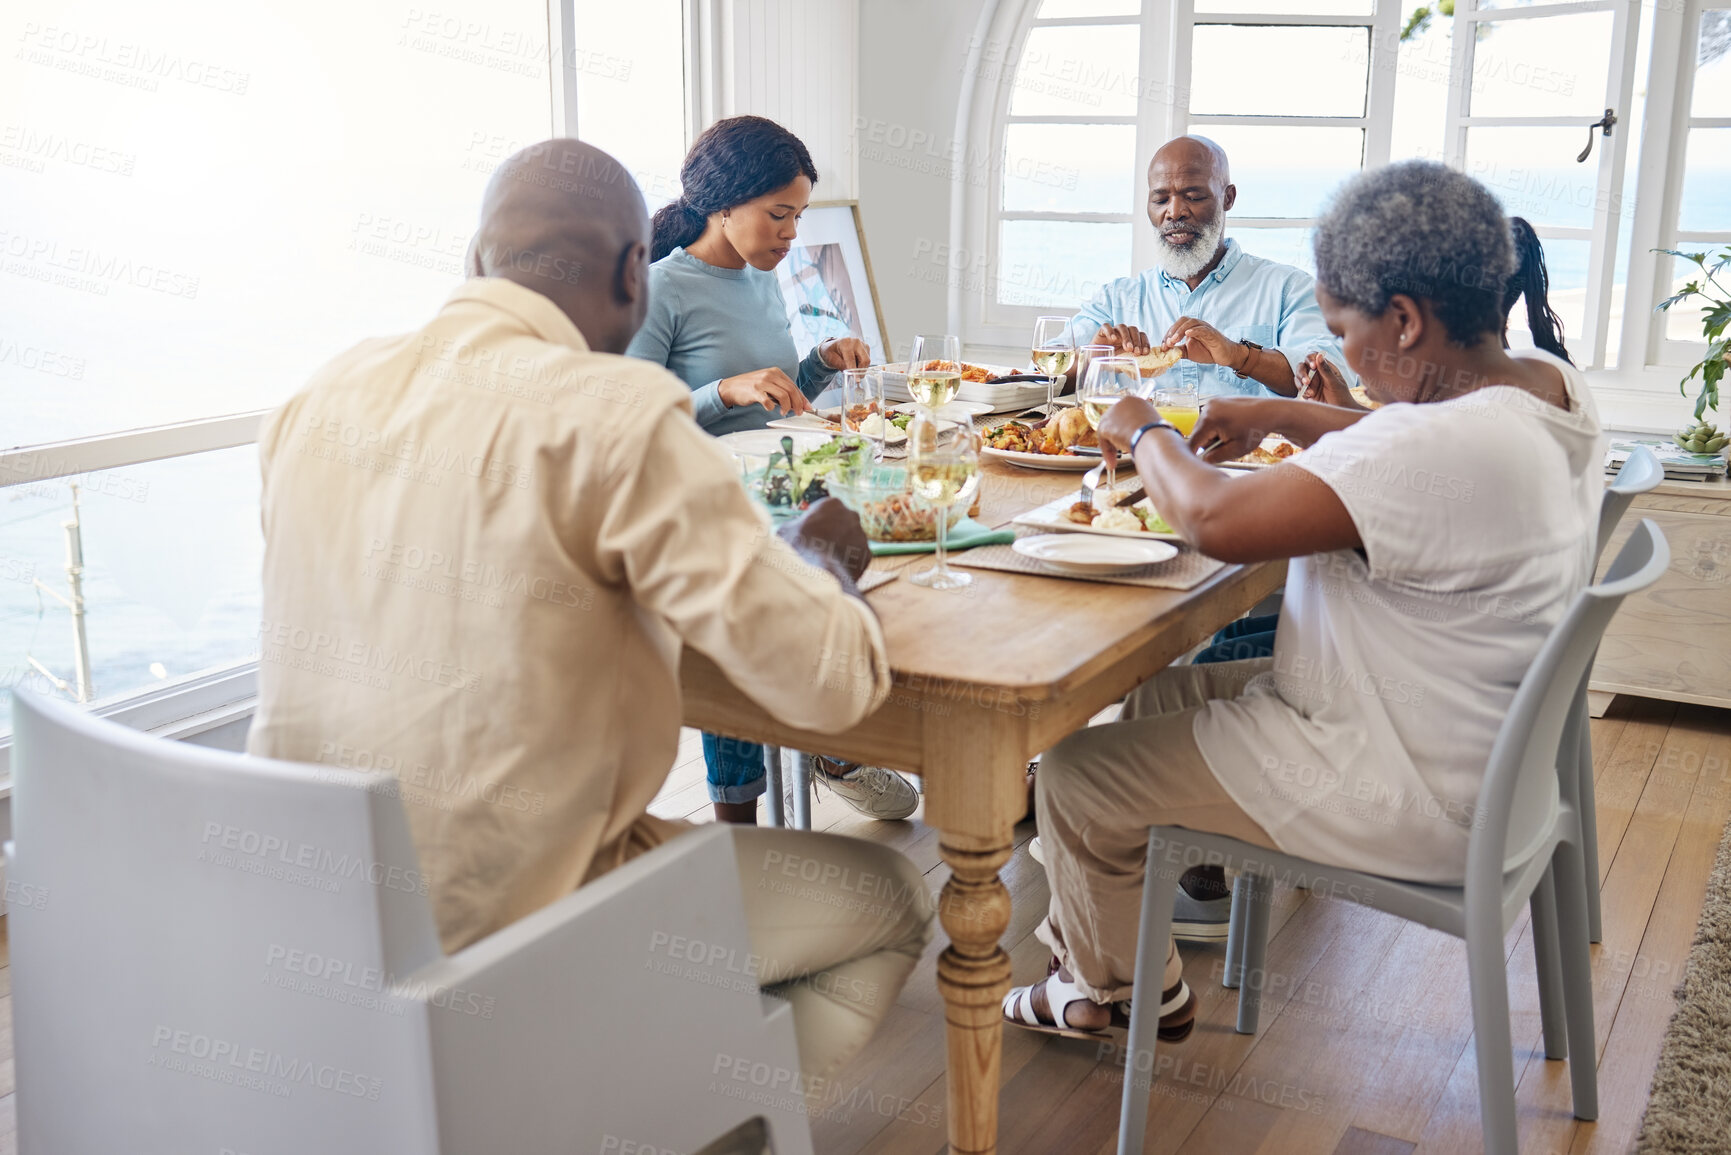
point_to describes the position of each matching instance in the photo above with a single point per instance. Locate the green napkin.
(965, 534)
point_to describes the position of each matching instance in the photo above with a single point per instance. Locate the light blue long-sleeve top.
(706, 323)
(1246, 297)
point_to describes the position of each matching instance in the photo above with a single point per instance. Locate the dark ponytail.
(734, 161)
(1533, 282)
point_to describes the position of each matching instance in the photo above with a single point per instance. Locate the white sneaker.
(872, 790)
(1036, 851)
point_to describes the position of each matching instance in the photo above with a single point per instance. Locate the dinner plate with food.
(1138, 520)
(1050, 443)
(1274, 450)
(1002, 388)
(891, 426)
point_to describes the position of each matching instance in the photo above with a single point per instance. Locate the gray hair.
(1425, 230)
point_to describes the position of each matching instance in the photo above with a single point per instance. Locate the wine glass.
(1108, 381)
(862, 396)
(1086, 355)
(1054, 352)
(935, 370)
(943, 469)
(1179, 405)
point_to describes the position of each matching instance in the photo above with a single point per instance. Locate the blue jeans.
(735, 768)
(1244, 638)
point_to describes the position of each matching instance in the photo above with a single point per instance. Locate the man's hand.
(829, 536)
(1124, 338)
(845, 353)
(1230, 427)
(770, 388)
(1206, 345)
(1319, 380)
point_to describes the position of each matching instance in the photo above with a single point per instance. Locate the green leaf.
(1714, 321)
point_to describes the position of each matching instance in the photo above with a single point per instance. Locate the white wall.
(913, 74)
(796, 62)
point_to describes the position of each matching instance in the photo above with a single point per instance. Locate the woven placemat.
(1186, 571)
(873, 578)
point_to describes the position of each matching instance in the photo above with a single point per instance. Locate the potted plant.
(1702, 437)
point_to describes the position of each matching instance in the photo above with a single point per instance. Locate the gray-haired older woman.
(1433, 542)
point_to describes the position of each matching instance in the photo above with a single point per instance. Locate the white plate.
(1268, 443)
(804, 423)
(1089, 554)
(1053, 518)
(1059, 462)
(1001, 398)
(763, 442)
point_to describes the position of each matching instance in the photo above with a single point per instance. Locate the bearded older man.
(1243, 324)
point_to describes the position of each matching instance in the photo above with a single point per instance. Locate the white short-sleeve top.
(1395, 664)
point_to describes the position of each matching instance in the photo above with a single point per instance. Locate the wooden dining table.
(985, 678)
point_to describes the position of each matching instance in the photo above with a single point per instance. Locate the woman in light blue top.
(717, 320)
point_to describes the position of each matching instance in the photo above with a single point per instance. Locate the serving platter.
(1053, 517)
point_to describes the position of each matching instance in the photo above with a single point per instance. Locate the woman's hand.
(845, 353)
(1121, 423)
(770, 388)
(1319, 380)
(1229, 428)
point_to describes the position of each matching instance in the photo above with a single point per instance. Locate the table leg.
(973, 977)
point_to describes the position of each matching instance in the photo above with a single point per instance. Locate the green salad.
(796, 481)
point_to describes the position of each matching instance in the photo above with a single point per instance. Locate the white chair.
(1525, 846)
(1639, 474)
(225, 953)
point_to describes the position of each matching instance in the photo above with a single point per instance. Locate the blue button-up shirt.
(1246, 297)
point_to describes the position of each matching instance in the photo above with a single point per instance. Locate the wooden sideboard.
(1673, 641)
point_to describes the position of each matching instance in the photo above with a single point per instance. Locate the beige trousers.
(837, 924)
(1100, 789)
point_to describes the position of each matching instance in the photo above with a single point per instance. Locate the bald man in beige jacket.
(486, 543)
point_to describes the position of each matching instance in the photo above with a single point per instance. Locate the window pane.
(172, 556)
(1241, 70)
(1546, 66)
(211, 207)
(1683, 321)
(631, 88)
(1533, 172)
(1059, 263)
(1078, 168)
(1088, 70)
(1713, 66)
(1705, 205)
(1288, 246)
(1287, 172)
(1566, 265)
(1056, 9)
(1288, 7)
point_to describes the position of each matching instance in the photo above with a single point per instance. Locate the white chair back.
(208, 921)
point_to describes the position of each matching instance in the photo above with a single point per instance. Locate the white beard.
(1184, 263)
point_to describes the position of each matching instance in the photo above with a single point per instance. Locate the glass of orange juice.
(1180, 406)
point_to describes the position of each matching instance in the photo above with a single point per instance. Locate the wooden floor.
(1365, 1043)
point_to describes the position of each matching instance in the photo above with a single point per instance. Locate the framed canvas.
(827, 283)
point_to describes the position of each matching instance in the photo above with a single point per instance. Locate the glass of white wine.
(1053, 354)
(935, 370)
(943, 470)
(1108, 381)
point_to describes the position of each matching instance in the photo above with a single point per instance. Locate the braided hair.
(1533, 282)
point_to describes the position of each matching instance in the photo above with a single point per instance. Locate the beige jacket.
(484, 548)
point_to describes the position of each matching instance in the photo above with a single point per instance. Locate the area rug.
(1689, 1108)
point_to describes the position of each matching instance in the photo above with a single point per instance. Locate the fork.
(1090, 482)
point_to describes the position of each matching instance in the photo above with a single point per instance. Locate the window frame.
(1166, 30)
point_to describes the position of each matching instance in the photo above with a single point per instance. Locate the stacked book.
(1680, 464)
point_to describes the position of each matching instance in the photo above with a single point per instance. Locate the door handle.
(1604, 124)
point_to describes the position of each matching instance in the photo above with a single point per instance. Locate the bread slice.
(1154, 363)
